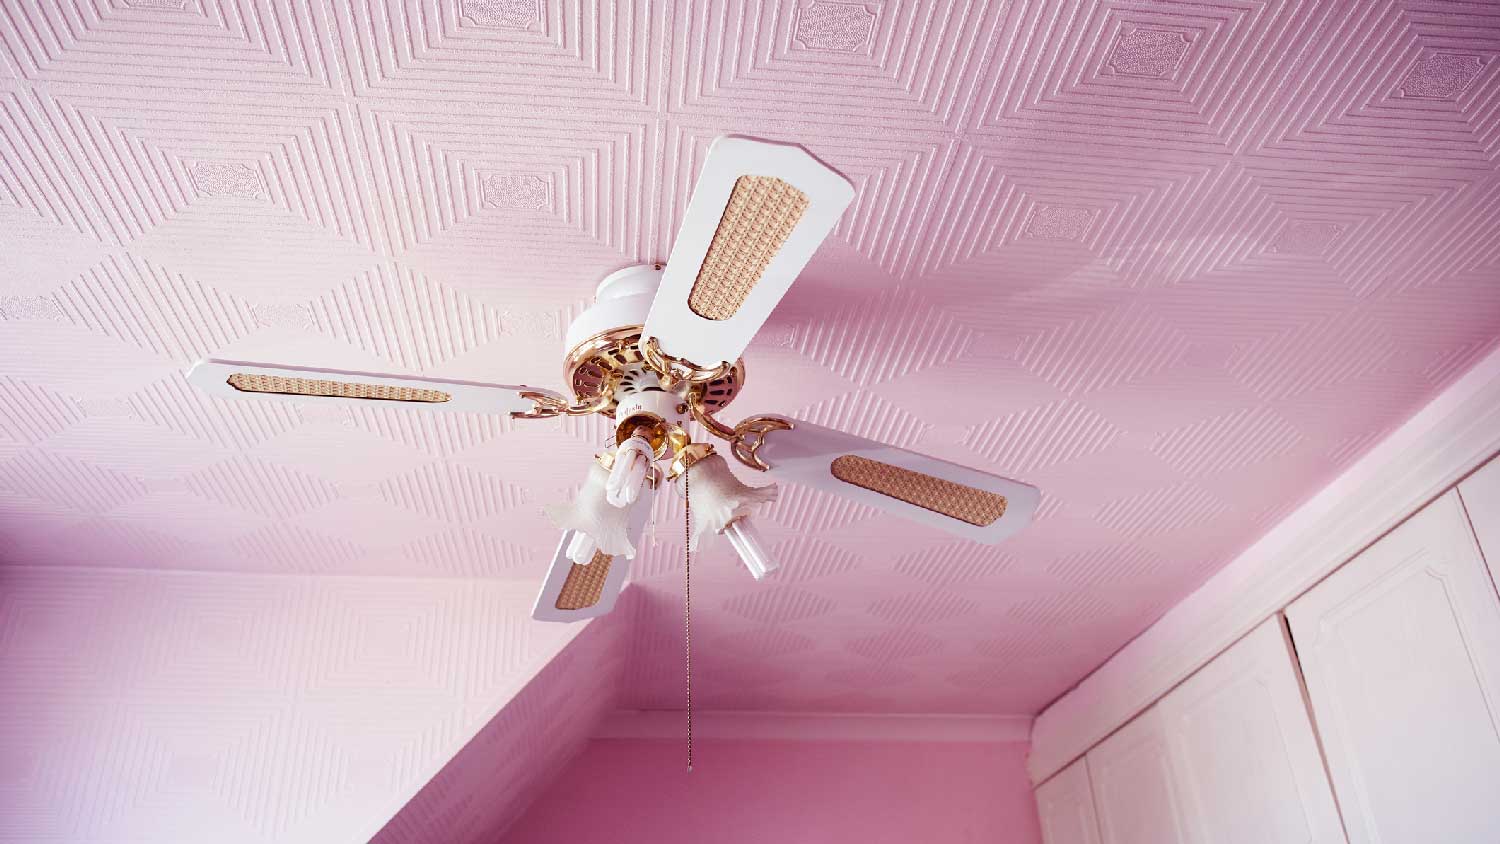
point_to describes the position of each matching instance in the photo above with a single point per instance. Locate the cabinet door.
(1243, 752)
(1401, 652)
(1066, 805)
(1135, 793)
(1481, 495)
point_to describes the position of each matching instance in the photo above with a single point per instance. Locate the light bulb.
(627, 476)
(747, 542)
(594, 520)
(582, 549)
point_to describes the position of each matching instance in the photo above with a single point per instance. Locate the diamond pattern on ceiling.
(1175, 263)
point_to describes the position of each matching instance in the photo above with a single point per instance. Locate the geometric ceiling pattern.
(1176, 264)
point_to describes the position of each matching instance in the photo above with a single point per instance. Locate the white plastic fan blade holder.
(548, 600)
(239, 380)
(972, 504)
(819, 195)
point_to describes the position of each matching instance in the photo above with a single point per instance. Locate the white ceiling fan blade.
(967, 502)
(758, 212)
(238, 380)
(572, 592)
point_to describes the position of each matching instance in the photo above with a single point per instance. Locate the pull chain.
(687, 610)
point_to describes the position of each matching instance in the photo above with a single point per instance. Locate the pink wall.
(787, 791)
(176, 707)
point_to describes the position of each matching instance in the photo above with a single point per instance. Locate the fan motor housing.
(603, 342)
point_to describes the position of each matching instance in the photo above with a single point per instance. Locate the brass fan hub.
(595, 367)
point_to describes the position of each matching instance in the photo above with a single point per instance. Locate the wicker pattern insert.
(251, 383)
(760, 214)
(585, 584)
(976, 506)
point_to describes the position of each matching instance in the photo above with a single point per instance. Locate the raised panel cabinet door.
(1243, 752)
(1401, 653)
(1135, 794)
(1481, 496)
(1066, 806)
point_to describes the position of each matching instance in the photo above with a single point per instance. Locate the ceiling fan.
(661, 347)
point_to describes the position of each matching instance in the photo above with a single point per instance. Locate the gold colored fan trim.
(595, 367)
(253, 383)
(760, 215)
(976, 506)
(585, 584)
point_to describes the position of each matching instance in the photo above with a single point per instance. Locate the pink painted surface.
(1175, 264)
(793, 791)
(243, 708)
(518, 754)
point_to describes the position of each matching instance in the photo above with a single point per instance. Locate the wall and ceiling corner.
(1453, 435)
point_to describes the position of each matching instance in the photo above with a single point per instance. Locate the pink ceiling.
(1176, 264)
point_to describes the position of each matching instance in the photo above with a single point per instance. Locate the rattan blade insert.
(585, 584)
(760, 215)
(247, 382)
(978, 507)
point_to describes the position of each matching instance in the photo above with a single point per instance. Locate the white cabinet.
(1243, 752)
(1135, 793)
(1228, 757)
(1481, 495)
(1066, 805)
(1401, 652)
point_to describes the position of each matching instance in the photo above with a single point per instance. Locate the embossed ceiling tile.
(257, 165)
(810, 558)
(1165, 509)
(1104, 348)
(354, 459)
(1054, 195)
(30, 201)
(1239, 439)
(295, 549)
(884, 336)
(39, 256)
(136, 448)
(955, 565)
(828, 60)
(71, 359)
(1027, 440)
(1356, 222)
(508, 189)
(484, 52)
(1347, 347)
(134, 301)
(434, 488)
(369, 521)
(188, 517)
(1419, 84)
(69, 482)
(403, 317)
(268, 257)
(31, 414)
(260, 487)
(204, 45)
(1127, 72)
(1214, 392)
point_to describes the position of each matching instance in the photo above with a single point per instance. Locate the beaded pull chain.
(687, 610)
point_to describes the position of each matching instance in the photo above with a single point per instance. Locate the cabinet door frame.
(1435, 542)
(1148, 728)
(1265, 658)
(1068, 790)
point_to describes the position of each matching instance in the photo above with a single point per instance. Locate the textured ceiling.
(1174, 263)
